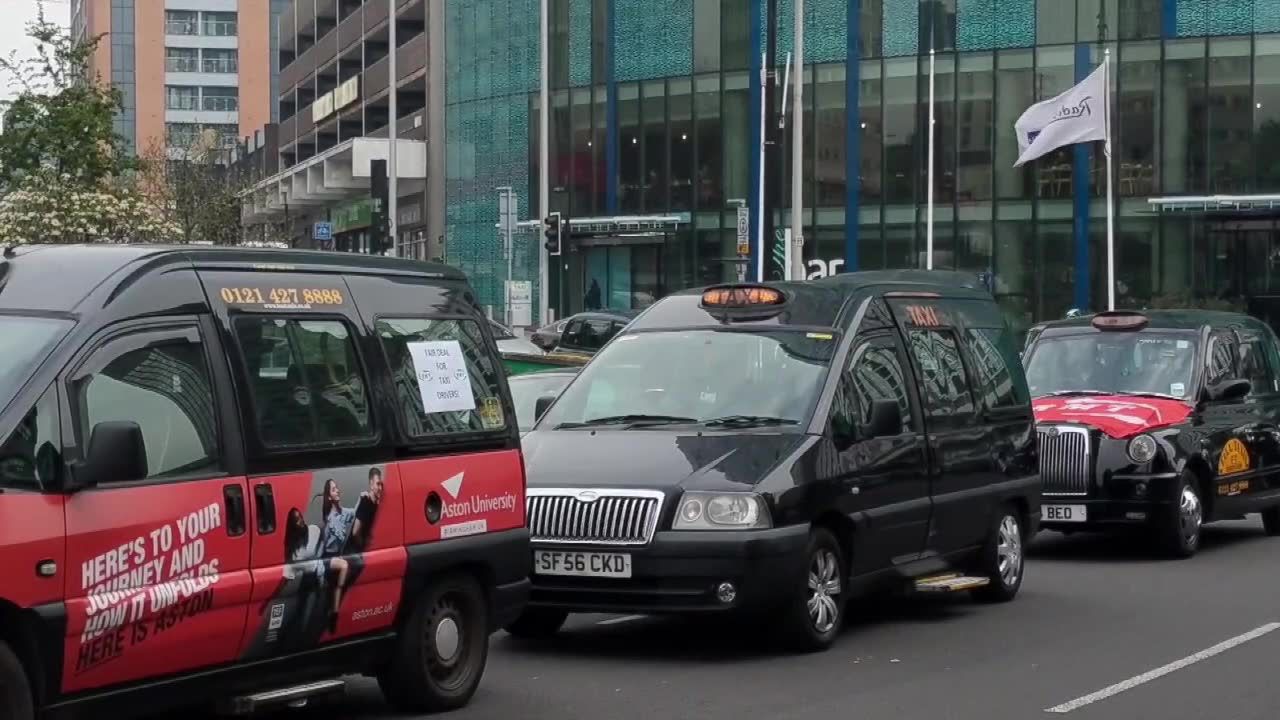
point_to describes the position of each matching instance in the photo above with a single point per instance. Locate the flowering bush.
(46, 208)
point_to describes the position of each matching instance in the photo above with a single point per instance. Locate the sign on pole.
(322, 231)
(744, 230)
(520, 302)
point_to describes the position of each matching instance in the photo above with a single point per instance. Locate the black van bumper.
(680, 572)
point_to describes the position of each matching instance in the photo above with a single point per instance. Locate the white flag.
(1076, 116)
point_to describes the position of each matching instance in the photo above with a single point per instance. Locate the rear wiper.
(628, 420)
(743, 421)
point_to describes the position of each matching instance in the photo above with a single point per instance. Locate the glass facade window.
(218, 24)
(706, 36)
(830, 117)
(680, 108)
(180, 97)
(1266, 111)
(870, 122)
(181, 59)
(630, 152)
(1055, 72)
(181, 22)
(709, 179)
(900, 110)
(656, 139)
(1055, 21)
(220, 99)
(1138, 120)
(1230, 125)
(1183, 157)
(736, 124)
(220, 61)
(1016, 90)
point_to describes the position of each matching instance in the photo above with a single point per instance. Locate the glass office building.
(655, 111)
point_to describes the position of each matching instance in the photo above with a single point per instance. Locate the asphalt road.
(1095, 617)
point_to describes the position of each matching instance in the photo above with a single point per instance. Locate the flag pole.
(929, 212)
(1111, 212)
(797, 151)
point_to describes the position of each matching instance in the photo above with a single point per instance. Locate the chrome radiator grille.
(1065, 461)
(604, 517)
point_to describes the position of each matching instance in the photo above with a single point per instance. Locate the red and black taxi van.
(773, 449)
(233, 476)
(1163, 418)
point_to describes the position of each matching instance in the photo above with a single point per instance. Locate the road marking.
(1148, 676)
(618, 620)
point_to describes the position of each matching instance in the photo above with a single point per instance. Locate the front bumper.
(678, 572)
(1117, 503)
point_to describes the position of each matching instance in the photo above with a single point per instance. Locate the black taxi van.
(231, 477)
(1160, 419)
(776, 448)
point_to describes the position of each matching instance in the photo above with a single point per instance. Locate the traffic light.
(553, 232)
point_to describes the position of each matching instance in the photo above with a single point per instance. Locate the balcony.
(412, 56)
(350, 31)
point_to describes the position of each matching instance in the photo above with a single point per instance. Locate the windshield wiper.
(1139, 393)
(744, 421)
(634, 420)
(1056, 393)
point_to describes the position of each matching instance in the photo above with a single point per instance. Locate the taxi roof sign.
(1120, 320)
(742, 296)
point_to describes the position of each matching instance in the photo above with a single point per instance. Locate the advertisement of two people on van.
(324, 538)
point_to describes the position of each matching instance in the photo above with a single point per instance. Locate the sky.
(13, 29)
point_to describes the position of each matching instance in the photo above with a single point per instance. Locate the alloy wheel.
(824, 591)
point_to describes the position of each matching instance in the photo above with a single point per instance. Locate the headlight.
(1142, 449)
(721, 511)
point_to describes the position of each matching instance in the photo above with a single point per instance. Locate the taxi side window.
(946, 385)
(1222, 359)
(876, 374)
(573, 334)
(1255, 363)
(479, 409)
(164, 387)
(30, 457)
(305, 380)
(997, 386)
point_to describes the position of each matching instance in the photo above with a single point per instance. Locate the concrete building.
(334, 118)
(184, 65)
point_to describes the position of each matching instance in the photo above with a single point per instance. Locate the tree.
(61, 119)
(47, 208)
(191, 184)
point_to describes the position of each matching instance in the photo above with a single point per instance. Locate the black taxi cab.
(1165, 419)
(232, 477)
(778, 448)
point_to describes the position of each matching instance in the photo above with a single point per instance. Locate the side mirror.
(1230, 389)
(116, 453)
(886, 419)
(542, 405)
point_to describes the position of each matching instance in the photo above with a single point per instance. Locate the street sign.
(520, 303)
(744, 230)
(322, 231)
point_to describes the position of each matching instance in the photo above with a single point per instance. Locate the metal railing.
(219, 28)
(221, 65)
(220, 103)
(181, 64)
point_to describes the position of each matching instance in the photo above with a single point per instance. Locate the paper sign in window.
(442, 374)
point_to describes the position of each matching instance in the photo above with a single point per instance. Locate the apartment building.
(334, 102)
(185, 67)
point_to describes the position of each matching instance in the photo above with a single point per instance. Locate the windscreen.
(526, 389)
(1148, 362)
(699, 376)
(24, 341)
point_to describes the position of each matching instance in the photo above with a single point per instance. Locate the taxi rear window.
(446, 380)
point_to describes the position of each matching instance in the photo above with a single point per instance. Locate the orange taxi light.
(1120, 321)
(741, 296)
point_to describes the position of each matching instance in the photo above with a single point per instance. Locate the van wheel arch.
(18, 631)
(419, 583)
(844, 529)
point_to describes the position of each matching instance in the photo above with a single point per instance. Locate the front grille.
(1065, 467)
(603, 517)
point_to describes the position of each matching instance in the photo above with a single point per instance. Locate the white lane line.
(618, 620)
(1176, 665)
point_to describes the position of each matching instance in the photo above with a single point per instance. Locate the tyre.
(812, 620)
(1271, 520)
(16, 702)
(1003, 557)
(537, 623)
(1184, 519)
(441, 651)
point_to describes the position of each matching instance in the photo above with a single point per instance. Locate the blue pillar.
(1169, 18)
(756, 92)
(1080, 195)
(611, 115)
(853, 136)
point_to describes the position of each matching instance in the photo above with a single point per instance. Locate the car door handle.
(265, 503)
(233, 495)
